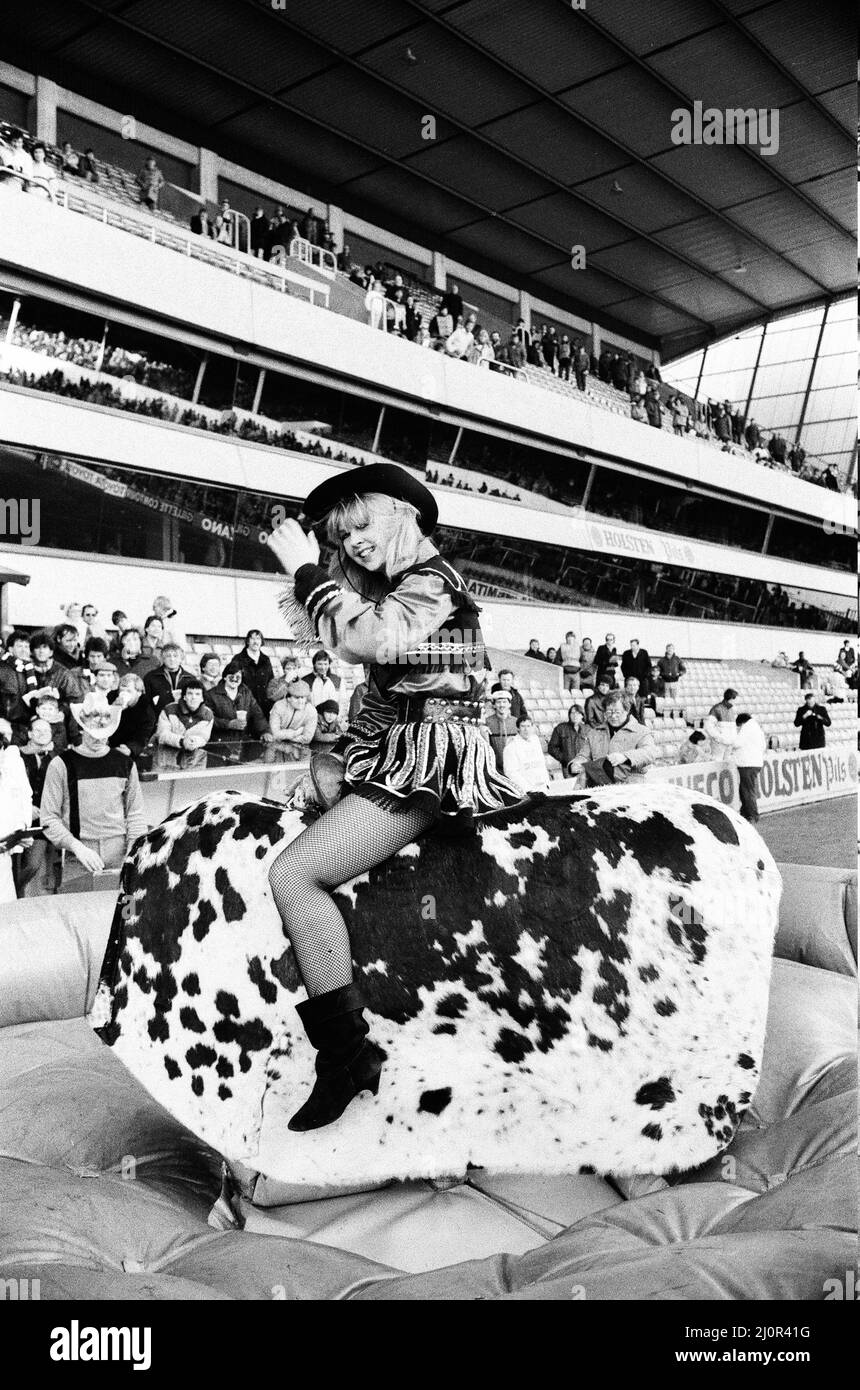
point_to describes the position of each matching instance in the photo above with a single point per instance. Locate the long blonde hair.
(403, 543)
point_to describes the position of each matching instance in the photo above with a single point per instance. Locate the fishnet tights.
(354, 836)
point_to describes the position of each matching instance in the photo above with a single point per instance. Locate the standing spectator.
(680, 415)
(67, 646)
(568, 659)
(638, 411)
(71, 164)
(163, 685)
(293, 719)
(92, 806)
(44, 171)
(641, 706)
(549, 346)
(812, 719)
(237, 714)
(748, 751)
(522, 336)
(137, 720)
(780, 662)
(87, 168)
(259, 232)
(413, 321)
(671, 668)
(580, 366)
(522, 759)
(150, 181)
(778, 449)
(256, 668)
(132, 659)
(568, 742)
(719, 725)
(121, 622)
(723, 426)
(845, 659)
(200, 223)
(752, 435)
(186, 723)
(637, 662)
(595, 705)
(452, 303)
(210, 671)
(17, 680)
(618, 371)
(653, 408)
(587, 658)
(804, 670)
(15, 157)
(565, 358)
(506, 682)
(738, 422)
(441, 328)
(374, 303)
(501, 725)
(697, 749)
(162, 608)
(16, 812)
(50, 672)
(607, 660)
(620, 749)
(534, 650)
(38, 868)
(459, 342)
(323, 684)
(309, 227)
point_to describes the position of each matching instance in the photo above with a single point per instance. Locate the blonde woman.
(413, 754)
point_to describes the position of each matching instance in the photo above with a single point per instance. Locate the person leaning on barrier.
(138, 718)
(697, 749)
(568, 742)
(186, 723)
(622, 748)
(293, 717)
(237, 714)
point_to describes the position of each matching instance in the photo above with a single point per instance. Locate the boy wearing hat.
(92, 807)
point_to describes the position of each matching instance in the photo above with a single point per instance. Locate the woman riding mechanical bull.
(414, 754)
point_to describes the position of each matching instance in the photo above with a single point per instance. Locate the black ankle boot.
(346, 1062)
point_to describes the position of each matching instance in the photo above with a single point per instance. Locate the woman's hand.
(293, 547)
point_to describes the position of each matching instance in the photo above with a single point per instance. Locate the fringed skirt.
(446, 766)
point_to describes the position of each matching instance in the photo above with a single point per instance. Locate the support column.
(525, 309)
(201, 371)
(7, 341)
(45, 102)
(440, 272)
(766, 541)
(261, 381)
(456, 445)
(586, 495)
(596, 340)
(375, 445)
(207, 175)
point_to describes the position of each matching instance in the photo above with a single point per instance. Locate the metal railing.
(317, 257)
(178, 238)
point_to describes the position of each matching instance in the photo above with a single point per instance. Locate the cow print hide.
(581, 986)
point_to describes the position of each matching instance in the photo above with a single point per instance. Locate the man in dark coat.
(138, 720)
(637, 662)
(607, 660)
(237, 715)
(163, 684)
(812, 719)
(256, 668)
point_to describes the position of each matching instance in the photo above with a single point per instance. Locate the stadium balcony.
(295, 277)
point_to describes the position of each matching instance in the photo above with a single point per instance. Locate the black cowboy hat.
(386, 478)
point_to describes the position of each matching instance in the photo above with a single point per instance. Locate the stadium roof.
(553, 129)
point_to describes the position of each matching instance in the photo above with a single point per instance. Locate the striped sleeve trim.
(319, 598)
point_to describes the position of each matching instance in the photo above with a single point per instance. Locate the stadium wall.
(225, 603)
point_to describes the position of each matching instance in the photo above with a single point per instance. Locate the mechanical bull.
(581, 986)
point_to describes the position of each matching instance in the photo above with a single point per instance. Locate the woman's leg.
(354, 836)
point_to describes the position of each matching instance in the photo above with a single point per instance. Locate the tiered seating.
(771, 696)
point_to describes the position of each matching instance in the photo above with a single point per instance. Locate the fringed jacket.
(420, 638)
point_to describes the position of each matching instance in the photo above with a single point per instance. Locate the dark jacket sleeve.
(257, 721)
(222, 711)
(555, 747)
